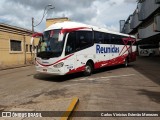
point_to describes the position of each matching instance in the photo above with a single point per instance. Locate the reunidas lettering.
(111, 49)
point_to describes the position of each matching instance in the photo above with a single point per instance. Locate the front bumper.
(50, 70)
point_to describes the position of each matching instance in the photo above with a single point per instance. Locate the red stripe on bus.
(79, 69)
(56, 61)
(115, 61)
(72, 29)
(125, 41)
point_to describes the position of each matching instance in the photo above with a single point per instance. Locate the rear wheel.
(88, 69)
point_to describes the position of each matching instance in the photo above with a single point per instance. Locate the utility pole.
(24, 45)
(32, 24)
(32, 51)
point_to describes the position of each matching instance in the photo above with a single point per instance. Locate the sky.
(101, 13)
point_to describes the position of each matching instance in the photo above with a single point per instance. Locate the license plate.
(44, 70)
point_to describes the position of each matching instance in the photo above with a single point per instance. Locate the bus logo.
(111, 49)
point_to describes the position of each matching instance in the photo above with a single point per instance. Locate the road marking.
(70, 109)
(107, 77)
(118, 76)
(71, 85)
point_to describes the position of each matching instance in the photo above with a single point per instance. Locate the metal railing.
(135, 21)
(147, 31)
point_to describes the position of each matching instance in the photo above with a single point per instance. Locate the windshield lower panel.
(51, 44)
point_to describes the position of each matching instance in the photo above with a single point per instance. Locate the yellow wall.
(8, 57)
(55, 20)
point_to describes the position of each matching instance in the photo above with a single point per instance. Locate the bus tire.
(126, 63)
(88, 69)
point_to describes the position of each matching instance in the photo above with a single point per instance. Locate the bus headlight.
(59, 65)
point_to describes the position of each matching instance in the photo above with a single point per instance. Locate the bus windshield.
(51, 44)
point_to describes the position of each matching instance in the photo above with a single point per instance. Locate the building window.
(30, 48)
(15, 45)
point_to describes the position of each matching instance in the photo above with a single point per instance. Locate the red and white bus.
(71, 47)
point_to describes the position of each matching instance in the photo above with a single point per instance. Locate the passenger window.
(83, 39)
(119, 40)
(116, 39)
(107, 38)
(113, 39)
(70, 46)
(99, 37)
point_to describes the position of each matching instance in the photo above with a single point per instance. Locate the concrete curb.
(13, 67)
(70, 109)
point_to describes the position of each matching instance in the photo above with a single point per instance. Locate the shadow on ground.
(149, 67)
(152, 95)
(53, 78)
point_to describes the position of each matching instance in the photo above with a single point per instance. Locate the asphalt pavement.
(135, 88)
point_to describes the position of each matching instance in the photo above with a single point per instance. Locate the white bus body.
(70, 47)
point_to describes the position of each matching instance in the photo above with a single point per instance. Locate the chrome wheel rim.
(88, 69)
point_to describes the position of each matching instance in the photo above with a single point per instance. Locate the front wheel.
(88, 69)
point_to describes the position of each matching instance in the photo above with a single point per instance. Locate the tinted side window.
(119, 40)
(107, 38)
(84, 39)
(113, 39)
(70, 46)
(116, 39)
(98, 37)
